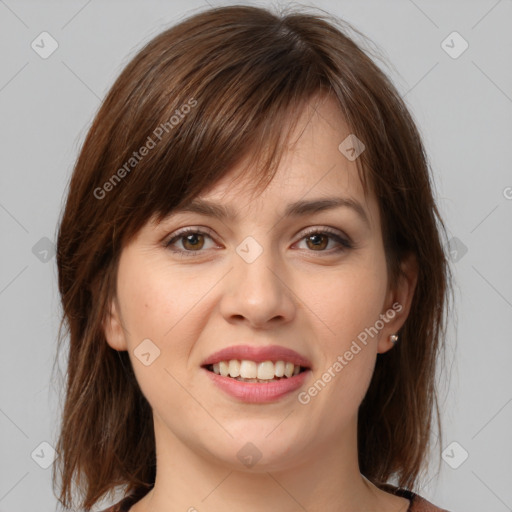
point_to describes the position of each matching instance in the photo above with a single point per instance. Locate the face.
(315, 283)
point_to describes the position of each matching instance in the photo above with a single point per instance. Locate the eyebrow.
(296, 209)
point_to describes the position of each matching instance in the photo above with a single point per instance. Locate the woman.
(252, 276)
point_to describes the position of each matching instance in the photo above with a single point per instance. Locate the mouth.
(260, 372)
(257, 374)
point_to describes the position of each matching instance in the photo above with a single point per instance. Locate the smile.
(254, 390)
(252, 371)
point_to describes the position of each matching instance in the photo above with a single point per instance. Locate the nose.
(258, 293)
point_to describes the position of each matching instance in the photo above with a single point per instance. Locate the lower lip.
(258, 392)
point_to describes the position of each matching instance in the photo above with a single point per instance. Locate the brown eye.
(193, 241)
(316, 241)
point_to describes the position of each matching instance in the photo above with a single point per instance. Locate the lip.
(258, 354)
(256, 392)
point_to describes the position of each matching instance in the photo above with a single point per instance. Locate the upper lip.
(258, 354)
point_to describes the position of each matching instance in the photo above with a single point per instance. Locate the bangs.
(196, 113)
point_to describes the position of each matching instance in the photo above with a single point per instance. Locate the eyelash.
(346, 244)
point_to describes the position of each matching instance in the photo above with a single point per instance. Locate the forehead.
(312, 168)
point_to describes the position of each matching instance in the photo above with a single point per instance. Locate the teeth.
(266, 370)
(234, 368)
(250, 371)
(224, 368)
(279, 368)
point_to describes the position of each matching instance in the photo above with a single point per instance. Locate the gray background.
(463, 107)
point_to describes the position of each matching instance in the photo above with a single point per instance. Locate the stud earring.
(393, 338)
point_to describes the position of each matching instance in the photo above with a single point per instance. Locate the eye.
(193, 240)
(318, 239)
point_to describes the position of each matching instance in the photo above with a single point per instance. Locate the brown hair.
(202, 95)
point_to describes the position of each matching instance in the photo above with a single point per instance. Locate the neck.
(324, 477)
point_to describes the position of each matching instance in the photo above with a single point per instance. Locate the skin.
(306, 297)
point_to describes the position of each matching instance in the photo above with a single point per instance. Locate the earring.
(393, 338)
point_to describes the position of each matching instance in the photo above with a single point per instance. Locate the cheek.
(161, 303)
(156, 298)
(350, 300)
(157, 305)
(348, 303)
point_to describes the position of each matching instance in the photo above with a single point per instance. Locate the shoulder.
(419, 504)
(125, 504)
(120, 506)
(113, 508)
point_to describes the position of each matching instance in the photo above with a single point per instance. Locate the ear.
(113, 328)
(398, 302)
